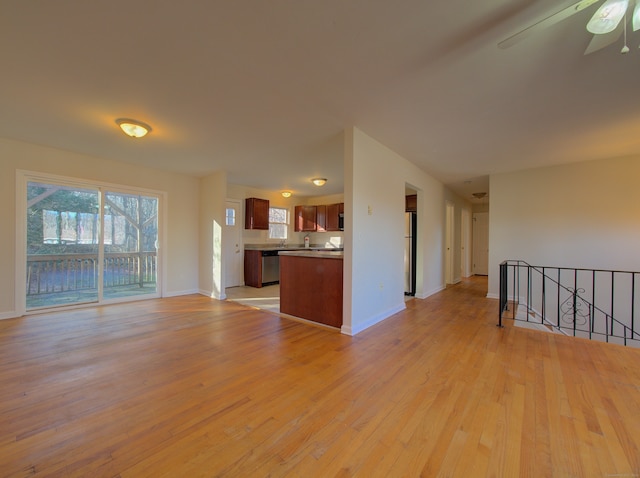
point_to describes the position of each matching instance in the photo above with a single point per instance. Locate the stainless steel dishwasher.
(270, 267)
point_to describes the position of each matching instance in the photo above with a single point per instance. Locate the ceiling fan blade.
(608, 17)
(546, 23)
(598, 42)
(636, 16)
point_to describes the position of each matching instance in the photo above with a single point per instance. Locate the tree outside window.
(278, 223)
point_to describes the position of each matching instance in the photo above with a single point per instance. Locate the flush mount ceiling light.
(479, 195)
(133, 128)
(286, 194)
(319, 181)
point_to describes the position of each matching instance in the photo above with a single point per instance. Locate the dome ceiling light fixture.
(319, 181)
(133, 128)
(286, 194)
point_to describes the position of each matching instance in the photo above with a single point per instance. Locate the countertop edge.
(314, 254)
(250, 247)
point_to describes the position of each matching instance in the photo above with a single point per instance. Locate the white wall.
(578, 215)
(182, 209)
(213, 193)
(375, 181)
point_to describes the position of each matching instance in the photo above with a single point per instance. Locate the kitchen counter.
(324, 253)
(289, 247)
(311, 285)
(261, 261)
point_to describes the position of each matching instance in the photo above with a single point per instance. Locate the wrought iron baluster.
(633, 304)
(612, 298)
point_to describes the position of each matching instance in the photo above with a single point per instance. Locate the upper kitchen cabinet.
(305, 218)
(321, 218)
(411, 203)
(256, 214)
(333, 216)
(318, 218)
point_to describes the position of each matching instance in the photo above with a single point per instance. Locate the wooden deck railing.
(53, 273)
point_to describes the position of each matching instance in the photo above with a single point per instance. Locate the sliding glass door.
(130, 243)
(85, 244)
(62, 245)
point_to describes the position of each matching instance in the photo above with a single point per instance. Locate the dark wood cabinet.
(305, 218)
(333, 216)
(256, 214)
(311, 288)
(321, 218)
(253, 268)
(318, 218)
(411, 203)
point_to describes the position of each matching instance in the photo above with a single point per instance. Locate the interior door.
(232, 244)
(465, 242)
(481, 243)
(449, 241)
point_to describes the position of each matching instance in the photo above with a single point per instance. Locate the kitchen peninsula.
(311, 285)
(261, 261)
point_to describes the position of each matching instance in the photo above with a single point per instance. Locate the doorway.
(410, 241)
(481, 243)
(449, 241)
(465, 242)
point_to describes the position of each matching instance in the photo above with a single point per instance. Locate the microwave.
(341, 221)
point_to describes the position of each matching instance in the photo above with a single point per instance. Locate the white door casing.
(465, 243)
(449, 241)
(234, 256)
(481, 243)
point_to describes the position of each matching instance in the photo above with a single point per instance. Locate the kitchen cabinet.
(261, 267)
(318, 218)
(311, 286)
(256, 214)
(253, 268)
(305, 218)
(333, 216)
(411, 203)
(321, 218)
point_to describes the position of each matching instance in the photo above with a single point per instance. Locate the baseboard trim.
(211, 294)
(9, 315)
(177, 293)
(350, 330)
(431, 292)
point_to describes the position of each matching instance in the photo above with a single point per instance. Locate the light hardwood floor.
(189, 386)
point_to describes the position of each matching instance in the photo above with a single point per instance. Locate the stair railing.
(574, 301)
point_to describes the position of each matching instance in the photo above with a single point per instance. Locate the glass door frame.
(24, 177)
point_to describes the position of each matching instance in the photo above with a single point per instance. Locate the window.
(278, 223)
(230, 216)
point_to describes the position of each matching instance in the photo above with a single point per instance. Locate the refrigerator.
(410, 245)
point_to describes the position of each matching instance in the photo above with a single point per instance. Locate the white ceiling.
(264, 88)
